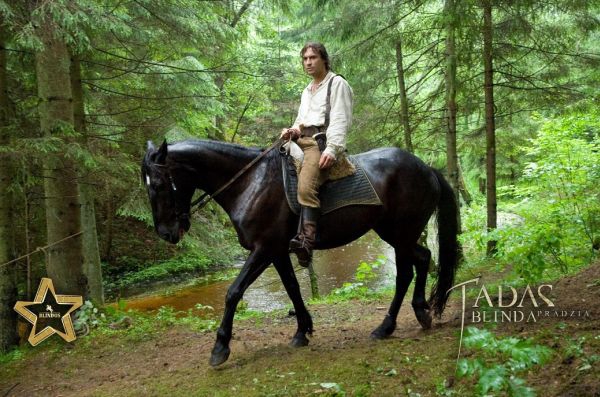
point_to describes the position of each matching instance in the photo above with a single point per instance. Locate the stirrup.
(303, 253)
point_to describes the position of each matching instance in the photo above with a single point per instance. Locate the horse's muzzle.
(169, 235)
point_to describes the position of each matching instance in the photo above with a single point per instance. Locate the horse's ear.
(161, 157)
(150, 146)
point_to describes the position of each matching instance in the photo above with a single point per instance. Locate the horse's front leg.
(284, 267)
(254, 266)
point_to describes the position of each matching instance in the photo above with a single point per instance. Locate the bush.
(559, 199)
(497, 361)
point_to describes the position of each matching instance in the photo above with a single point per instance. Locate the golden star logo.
(49, 312)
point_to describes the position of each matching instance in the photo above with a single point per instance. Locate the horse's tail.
(447, 222)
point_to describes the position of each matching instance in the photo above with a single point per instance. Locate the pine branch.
(215, 69)
(240, 12)
(584, 55)
(146, 97)
(372, 36)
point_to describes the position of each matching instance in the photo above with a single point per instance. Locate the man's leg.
(309, 181)
(310, 174)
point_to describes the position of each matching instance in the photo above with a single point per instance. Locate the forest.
(501, 96)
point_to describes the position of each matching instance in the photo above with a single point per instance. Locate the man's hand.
(326, 161)
(286, 133)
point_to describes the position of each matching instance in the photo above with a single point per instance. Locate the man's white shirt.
(313, 107)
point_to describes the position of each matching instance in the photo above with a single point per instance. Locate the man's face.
(314, 65)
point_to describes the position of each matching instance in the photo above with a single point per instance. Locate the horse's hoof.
(386, 328)
(219, 356)
(377, 334)
(299, 340)
(424, 318)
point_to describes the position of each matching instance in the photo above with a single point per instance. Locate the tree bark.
(91, 254)
(219, 132)
(64, 260)
(463, 187)
(490, 128)
(8, 285)
(109, 224)
(403, 97)
(451, 152)
(240, 12)
(314, 283)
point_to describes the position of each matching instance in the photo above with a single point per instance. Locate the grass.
(340, 361)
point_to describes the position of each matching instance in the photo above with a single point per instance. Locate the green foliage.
(191, 262)
(135, 325)
(195, 69)
(559, 199)
(242, 312)
(575, 349)
(88, 316)
(498, 361)
(365, 272)
(12, 355)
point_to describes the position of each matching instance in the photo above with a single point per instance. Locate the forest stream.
(333, 268)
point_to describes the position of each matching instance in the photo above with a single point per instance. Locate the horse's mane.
(226, 148)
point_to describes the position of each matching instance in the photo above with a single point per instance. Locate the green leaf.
(492, 379)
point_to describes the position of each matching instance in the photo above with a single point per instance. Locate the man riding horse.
(324, 116)
(249, 183)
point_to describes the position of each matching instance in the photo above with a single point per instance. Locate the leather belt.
(313, 130)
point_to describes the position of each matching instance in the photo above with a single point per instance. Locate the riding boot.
(302, 245)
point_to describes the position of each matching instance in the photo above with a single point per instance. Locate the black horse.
(409, 189)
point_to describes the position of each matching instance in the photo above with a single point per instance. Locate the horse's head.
(170, 194)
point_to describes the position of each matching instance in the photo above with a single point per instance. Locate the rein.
(203, 200)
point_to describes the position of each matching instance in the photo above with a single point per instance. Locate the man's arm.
(340, 118)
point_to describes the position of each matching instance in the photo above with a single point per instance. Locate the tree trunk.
(314, 283)
(91, 253)
(109, 224)
(8, 285)
(463, 186)
(490, 128)
(240, 12)
(451, 152)
(64, 260)
(403, 97)
(27, 206)
(219, 131)
(481, 180)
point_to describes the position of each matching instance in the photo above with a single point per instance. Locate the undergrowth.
(359, 289)
(497, 362)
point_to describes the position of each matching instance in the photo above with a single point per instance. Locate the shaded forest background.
(502, 95)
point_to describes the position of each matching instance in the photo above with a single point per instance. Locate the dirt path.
(340, 355)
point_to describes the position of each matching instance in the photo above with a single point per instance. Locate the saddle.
(348, 185)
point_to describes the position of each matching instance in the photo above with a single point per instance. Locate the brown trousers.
(311, 176)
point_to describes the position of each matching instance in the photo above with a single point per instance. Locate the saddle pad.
(355, 189)
(340, 169)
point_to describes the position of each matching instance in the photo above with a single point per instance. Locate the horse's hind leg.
(283, 265)
(421, 257)
(404, 276)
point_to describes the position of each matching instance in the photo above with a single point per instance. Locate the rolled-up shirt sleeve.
(340, 118)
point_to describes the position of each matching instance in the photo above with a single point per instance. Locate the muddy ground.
(340, 358)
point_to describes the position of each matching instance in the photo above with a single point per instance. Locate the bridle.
(179, 213)
(205, 198)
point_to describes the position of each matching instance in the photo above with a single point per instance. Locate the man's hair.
(319, 49)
